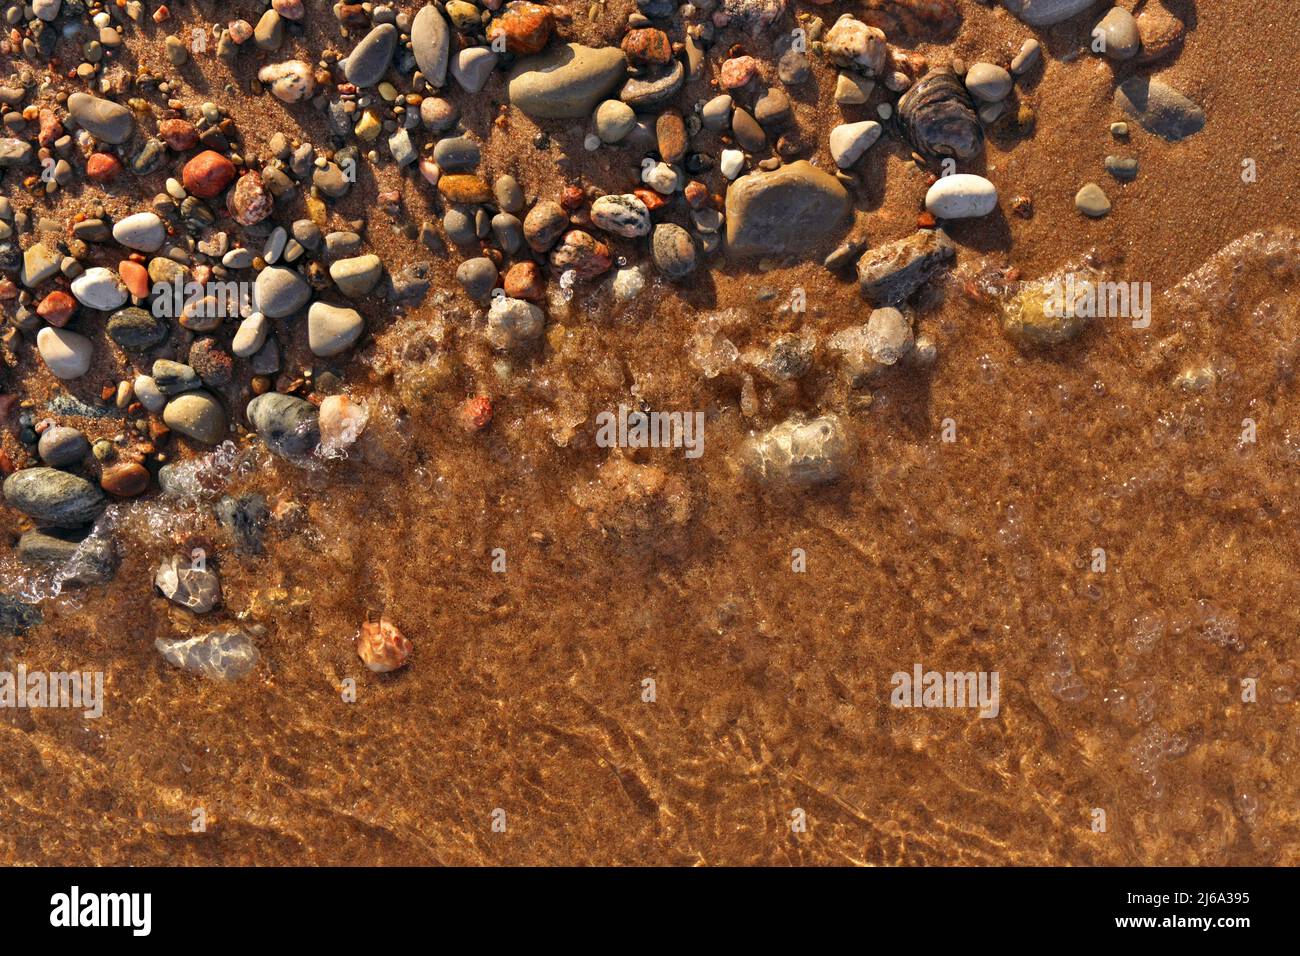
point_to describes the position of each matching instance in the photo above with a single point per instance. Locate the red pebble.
(651, 199)
(103, 167)
(382, 646)
(524, 26)
(524, 281)
(207, 174)
(56, 308)
(135, 277)
(179, 134)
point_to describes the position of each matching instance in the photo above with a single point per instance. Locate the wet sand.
(525, 689)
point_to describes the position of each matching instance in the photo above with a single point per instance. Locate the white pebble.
(961, 196)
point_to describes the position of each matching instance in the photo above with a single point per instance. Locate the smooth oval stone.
(356, 276)
(227, 654)
(103, 119)
(988, 82)
(369, 59)
(477, 277)
(280, 292)
(289, 425)
(147, 391)
(40, 262)
(614, 120)
(961, 196)
(1120, 30)
(716, 114)
(456, 154)
(100, 288)
(1092, 201)
(787, 210)
(430, 41)
(53, 497)
(624, 215)
(566, 81)
(749, 134)
(136, 330)
(197, 415)
(250, 336)
(143, 231)
(332, 329)
(89, 561)
(66, 354)
(1046, 13)
(61, 446)
(673, 250)
(1159, 108)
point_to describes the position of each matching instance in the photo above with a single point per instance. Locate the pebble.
(65, 353)
(250, 201)
(227, 654)
(356, 276)
(341, 423)
(544, 224)
(438, 114)
(192, 586)
(369, 59)
(143, 231)
(513, 323)
(988, 83)
(198, 415)
(786, 210)
(524, 27)
(53, 498)
(136, 330)
(849, 141)
(1030, 53)
(647, 93)
(279, 292)
(46, 10)
(472, 66)
(125, 479)
(288, 425)
(749, 135)
(851, 43)
(673, 251)
(508, 194)
(290, 82)
(100, 288)
(82, 563)
(104, 119)
(245, 518)
(565, 82)
(61, 446)
(332, 329)
(889, 335)
(1159, 108)
(477, 277)
(624, 215)
(716, 113)
(961, 196)
(628, 283)
(891, 273)
(798, 453)
(250, 336)
(853, 90)
(207, 174)
(456, 154)
(431, 43)
(524, 280)
(40, 262)
(1120, 33)
(173, 378)
(1046, 13)
(148, 393)
(1122, 167)
(1092, 201)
